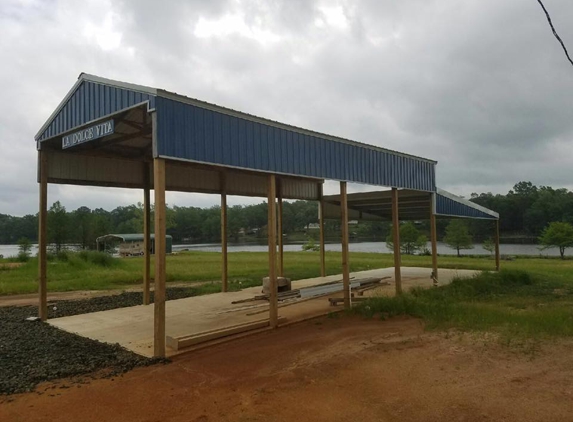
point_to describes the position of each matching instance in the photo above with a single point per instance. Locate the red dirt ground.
(10, 265)
(331, 369)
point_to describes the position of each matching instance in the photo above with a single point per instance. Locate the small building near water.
(131, 244)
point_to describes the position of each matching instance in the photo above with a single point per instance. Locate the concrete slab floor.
(132, 327)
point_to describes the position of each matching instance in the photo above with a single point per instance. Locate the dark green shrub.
(101, 259)
(22, 257)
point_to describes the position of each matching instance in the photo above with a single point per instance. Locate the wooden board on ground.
(181, 342)
(360, 291)
(336, 300)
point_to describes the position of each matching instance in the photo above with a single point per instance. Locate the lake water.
(12, 250)
(532, 250)
(443, 249)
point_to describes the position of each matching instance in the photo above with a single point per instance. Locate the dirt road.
(341, 369)
(31, 299)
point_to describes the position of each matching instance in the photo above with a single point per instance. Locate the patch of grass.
(97, 271)
(514, 303)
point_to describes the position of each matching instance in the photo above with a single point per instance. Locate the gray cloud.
(481, 85)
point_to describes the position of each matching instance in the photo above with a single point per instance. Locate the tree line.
(525, 211)
(186, 224)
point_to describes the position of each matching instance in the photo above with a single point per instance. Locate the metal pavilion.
(115, 134)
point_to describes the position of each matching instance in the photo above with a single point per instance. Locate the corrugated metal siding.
(183, 178)
(333, 212)
(104, 171)
(89, 170)
(448, 207)
(92, 101)
(247, 184)
(190, 132)
(299, 189)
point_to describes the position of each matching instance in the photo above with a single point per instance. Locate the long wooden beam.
(381, 202)
(497, 257)
(321, 224)
(224, 235)
(344, 230)
(272, 238)
(43, 237)
(434, 241)
(396, 240)
(280, 228)
(388, 207)
(146, 233)
(160, 251)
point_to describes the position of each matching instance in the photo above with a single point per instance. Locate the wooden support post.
(160, 250)
(272, 238)
(280, 228)
(224, 235)
(497, 258)
(434, 239)
(396, 241)
(321, 224)
(43, 237)
(344, 229)
(146, 233)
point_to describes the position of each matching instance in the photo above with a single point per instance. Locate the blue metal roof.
(187, 131)
(450, 205)
(192, 130)
(412, 205)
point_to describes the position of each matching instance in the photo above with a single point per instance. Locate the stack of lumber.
(296, 296)
(181, 342)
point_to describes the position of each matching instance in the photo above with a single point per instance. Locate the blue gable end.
(90, 101)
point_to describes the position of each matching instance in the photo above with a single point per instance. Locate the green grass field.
(248, 268)
(529, 298)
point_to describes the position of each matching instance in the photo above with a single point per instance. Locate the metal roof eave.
(352, 198)
(118, 84)
(465, 202)
(227, 166)
(250, 117)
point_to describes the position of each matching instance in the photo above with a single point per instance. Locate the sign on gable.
(89, 134)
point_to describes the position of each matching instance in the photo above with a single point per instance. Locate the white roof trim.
(466, 202)
(118, 84)
(58, 108)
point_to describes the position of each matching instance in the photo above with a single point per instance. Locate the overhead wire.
(555, 32)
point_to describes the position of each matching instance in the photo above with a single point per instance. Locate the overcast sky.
(482, 86)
